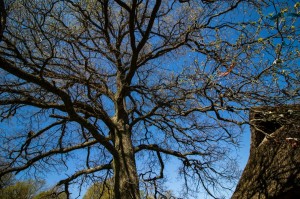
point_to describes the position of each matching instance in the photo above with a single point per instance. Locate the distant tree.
(30, 189)
(7, 179)
(119, 87)
(51, 194)
(21, 190)
(100, 190)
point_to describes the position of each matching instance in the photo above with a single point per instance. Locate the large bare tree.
(115, 88)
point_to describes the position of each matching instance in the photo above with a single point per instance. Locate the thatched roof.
(273, 168)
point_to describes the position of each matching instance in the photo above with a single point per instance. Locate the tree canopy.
(113, 89)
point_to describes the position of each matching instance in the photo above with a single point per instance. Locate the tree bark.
(126, 177)
(273, 168)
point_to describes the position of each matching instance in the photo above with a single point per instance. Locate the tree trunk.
(125, 173)
(273, 168)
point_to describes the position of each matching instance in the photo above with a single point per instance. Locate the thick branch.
(48, 154)
(154, 147)
(84, 172)
(3, 16)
